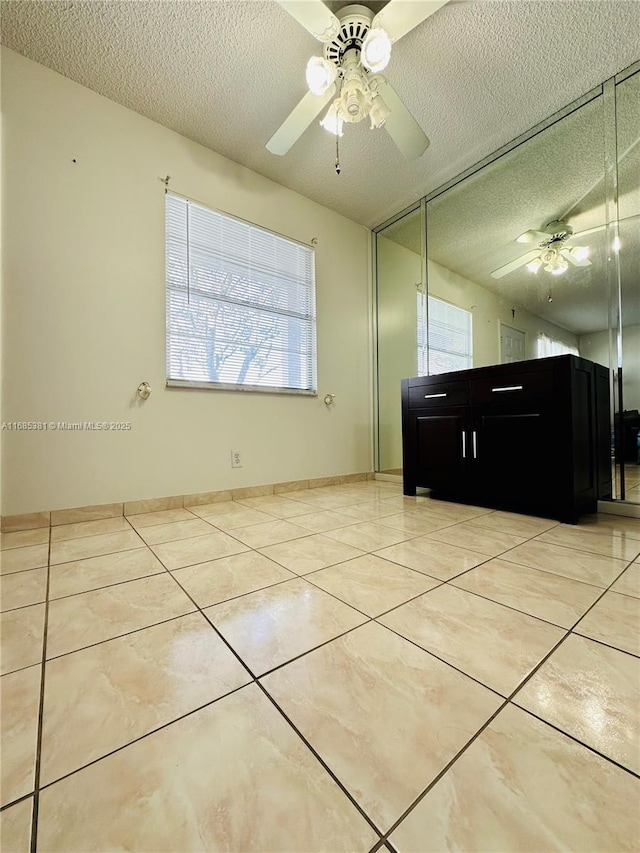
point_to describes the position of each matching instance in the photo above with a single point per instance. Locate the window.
(548, 346)
(240, 304)
(446, 342)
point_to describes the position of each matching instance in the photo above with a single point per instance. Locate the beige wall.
(595, 347)
(84, 312)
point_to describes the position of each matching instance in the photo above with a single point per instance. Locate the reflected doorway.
(511, 344)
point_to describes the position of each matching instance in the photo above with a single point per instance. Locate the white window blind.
(445, 338)
(548, 346)
(240, 303)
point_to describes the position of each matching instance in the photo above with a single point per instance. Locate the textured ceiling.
(557, 174)
(226, 73)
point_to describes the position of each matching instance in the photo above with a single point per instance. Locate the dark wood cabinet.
(531, 436)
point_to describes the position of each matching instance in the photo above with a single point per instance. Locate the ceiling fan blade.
(532, 237)
(298, 121)
(588, 231)
(513, 265)
(602, 227)
(400, 16)
(577, 262)
(400, 124)
(314, 16)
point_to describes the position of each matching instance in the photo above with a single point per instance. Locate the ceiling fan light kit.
(321, 75)
(357, 47)
(552, 254)
(333, 121)
(379, 112)
(376, 50)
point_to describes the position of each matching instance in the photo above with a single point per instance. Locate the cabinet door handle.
(431, 396)
(464, 445)
(508, 388)
(474, 439)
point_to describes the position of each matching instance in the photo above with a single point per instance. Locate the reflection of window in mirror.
(448, 342)
(548, 346)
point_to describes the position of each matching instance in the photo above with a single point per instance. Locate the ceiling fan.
(357, 47)
(552, 252)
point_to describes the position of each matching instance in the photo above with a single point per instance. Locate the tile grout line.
(38, 756)
(16, 802)
(442, 660)
(256, 681)
(576, 740)
(582, 550)
(463, 749)
(105, 554)
(509, 701)
(21, 571)
(294, 575)
(321, 761)
(445, 770)
(556, 574)
(84, 591)
(370, 553)
(143, 737)
(161, 571)
(198, 607)
(602, 643)
(189, 713)
(451, 582)
(119, 636)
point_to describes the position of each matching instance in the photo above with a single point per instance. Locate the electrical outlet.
(236, 459)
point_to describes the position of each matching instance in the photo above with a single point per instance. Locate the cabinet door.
(441, 447)
(513, 455)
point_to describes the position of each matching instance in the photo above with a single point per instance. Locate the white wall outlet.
(236, 459)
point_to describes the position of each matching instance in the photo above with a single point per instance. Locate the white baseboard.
(619, 508)
(389, 478)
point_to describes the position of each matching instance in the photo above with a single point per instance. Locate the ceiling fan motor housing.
(558, 231)
(355, 22)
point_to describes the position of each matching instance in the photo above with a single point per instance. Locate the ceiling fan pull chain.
(337, 163)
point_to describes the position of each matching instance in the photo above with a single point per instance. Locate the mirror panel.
(628, 148)
(399, 269)
(456, 287)
(477, 262)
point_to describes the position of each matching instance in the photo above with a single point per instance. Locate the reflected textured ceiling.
(557, 174)
(226, 73)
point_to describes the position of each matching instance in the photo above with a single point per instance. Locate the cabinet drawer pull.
(464, 445)
(431, 396)
(475, 444)
(509, 388)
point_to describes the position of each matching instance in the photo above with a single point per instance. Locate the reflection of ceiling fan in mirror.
(357, 47)
(552, 254)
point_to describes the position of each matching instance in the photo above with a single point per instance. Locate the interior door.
(511, 344)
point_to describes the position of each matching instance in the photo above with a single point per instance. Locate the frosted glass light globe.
(376, 50)
(320, 75)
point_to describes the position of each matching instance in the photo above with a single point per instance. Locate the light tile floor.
(334, 669)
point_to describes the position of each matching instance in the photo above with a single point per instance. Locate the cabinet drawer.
(514, 389)
(438, 394)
